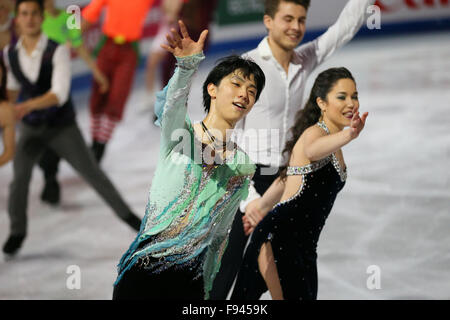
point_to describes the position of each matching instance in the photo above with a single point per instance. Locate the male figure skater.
(39, 69)
(287, 68)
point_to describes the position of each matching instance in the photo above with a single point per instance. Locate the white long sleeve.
(252, 195)
(343, 30)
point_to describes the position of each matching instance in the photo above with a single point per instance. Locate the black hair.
(39, 2)
(226, 66)
(3, 95)
(311, 113)
(271, 6)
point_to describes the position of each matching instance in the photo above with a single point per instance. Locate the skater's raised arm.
(318, 145)
(184, 46)
(344, 29)
(171, 104)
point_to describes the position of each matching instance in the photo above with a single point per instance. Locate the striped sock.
(106, 129)
(95, 126)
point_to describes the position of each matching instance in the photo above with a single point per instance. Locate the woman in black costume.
(281, 256)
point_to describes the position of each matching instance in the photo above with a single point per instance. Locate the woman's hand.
(254, 213)
(248, 228)
(357, 124)
(184, 46)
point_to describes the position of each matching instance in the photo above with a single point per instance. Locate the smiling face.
(287, 27)
(340, 104)
(234, 97)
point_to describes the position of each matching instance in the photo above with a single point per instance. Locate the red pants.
(118, 63)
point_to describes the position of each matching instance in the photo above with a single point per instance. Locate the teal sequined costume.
(191, 205)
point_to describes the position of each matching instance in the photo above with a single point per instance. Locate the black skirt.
(292, 228)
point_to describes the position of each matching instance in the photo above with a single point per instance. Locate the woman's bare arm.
(7, 123)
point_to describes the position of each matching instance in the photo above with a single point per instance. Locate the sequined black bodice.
(293, 228)
(305, 213)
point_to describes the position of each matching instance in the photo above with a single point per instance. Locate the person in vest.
(39, 69)
(55, 28)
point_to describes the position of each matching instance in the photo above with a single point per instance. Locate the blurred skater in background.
(170, 14)
(39, 69)
(197, 16)
(55, 28)
(117, 58)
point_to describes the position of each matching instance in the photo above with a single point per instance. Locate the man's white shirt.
(265, 128)
(30, 64)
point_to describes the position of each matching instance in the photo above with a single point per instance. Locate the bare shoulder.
(312, 133)
(298, 156)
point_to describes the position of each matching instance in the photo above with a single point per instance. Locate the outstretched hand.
(182, 46)
(357, 123)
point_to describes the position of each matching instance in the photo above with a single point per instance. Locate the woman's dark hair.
(3, 95)
(228, 65)
(39, 2)
(311, 113)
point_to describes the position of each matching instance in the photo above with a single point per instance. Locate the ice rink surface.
(393, 216)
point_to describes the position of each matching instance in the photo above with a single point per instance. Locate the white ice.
(394, 212)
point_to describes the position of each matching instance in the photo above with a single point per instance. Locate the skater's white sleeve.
(343, 30)
(62, 74)
(252, 195)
